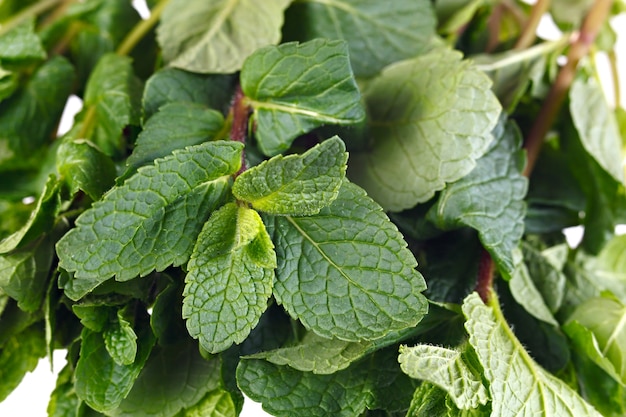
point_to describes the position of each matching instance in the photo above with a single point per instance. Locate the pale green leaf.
(517, 385)
(430, 119)
(216, 36)
(294, 88)
(19, 355)
(447, 369)
(455, 14)
(296, 184)
(431, 401)
(151, 221)
(230, 278)
(490, 199)
(175, 126)
(346, 273)
(378, 33)
(9, 82)
(597, 126)
(120, 340)
(611, 261)
(21, 43)
(218, 403)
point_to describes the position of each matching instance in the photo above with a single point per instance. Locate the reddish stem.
(486, 269)
(239, 129)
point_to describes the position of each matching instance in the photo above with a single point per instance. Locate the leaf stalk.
(141, 29)
(27, 13)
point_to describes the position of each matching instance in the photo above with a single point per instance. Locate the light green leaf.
(19, 355)
(447, 369)
(216, 403)
(173, 378)
(216, 36)
(570, 13)
(22, 43)
(151, 221)
(230, 277)
(455, 14)
(598, 329)
(611, 261)
(517, 385)
(296, 184)
(9, 82)
(431, 401)
(346, 273)
(377, 33)
(597, 126)
(490, 198)
(120, 340)
(430, 118)
(175, 126)
(111, 101)
(294, 88)
(545, 270)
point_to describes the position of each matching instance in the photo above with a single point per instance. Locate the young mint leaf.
(296, 184)
(83, 167)
(430, 118)
(120, 340)
(163, 206)
(490, 198)
(174, 378)
(447, 369)
(216, 36)
(19, 355)
(21, 44)
(346, 273)
(175, 126)
(8, 83)
(517, 385)
(230, 278)
(545, 269)
(378, 34)
(112, 98)
(100, 381)
(294, 88)
(597, 330)
(597, 126)
(93, 316)
(218, 402)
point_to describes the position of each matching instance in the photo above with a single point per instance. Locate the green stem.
(527, 38)
(30, 11)
(140, 30)
(616, 79)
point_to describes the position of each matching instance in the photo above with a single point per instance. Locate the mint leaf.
(447, 369)
(294, 88)
(490, 198)
(296, 184)
(175, 126)
(216, 403)
(120, 340)
(8, 83)
(230, 277)
(19, 355)
(377, 33)
(21, 44)
(545, 269)
(216, 36)
(346, 273)
(516, 383)
(63, 400)
(426, 132)
(611, 261)
(164, 205)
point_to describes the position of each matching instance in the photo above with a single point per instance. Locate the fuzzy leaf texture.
(490, 198)
(151, 221)
(377, 33)
(518, 386)
(346, 273)
(230, 278)
(216, 36)
(296, 184)
(294, 88)
(430, 119)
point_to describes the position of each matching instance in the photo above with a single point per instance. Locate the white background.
(30, 399)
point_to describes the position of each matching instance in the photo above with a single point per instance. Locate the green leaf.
(100, 381)
(112, 99)
(432, 401)
(164, 205)
(166, 318)
(30, 116)
(296, 184)
(21, 44)
(611, 261)
(8, 83)
(63, 400)
(570, 13)
(173, 378)
(546, 273)
(175, 126)
(346, 273)
(517, 385)
(84, 167)
(216, 403)
(446, 368)
(19, 355)
(294, 88)
(597, 329)
(230, 277)
(171, 85)
(490, 198)
(120, 340)
(430, 119)
(216, 36)
(455, 14)
(378, 34)
(93, 316)
(600, 389)
(597, 126)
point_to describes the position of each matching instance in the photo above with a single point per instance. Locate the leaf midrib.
(299, 111)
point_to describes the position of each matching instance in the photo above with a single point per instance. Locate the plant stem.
(239, 130)
(529, 33)
(615, 77)
(552, 104)
(33, 10)
(140, 30)
(486, 269)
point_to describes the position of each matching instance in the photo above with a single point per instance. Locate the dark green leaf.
(94, 316)
(21, 44)
(164, 204)
(63, 400)
(166, 318)
(294, 88)
(546, 275)
(600, 389)
(18, 355)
